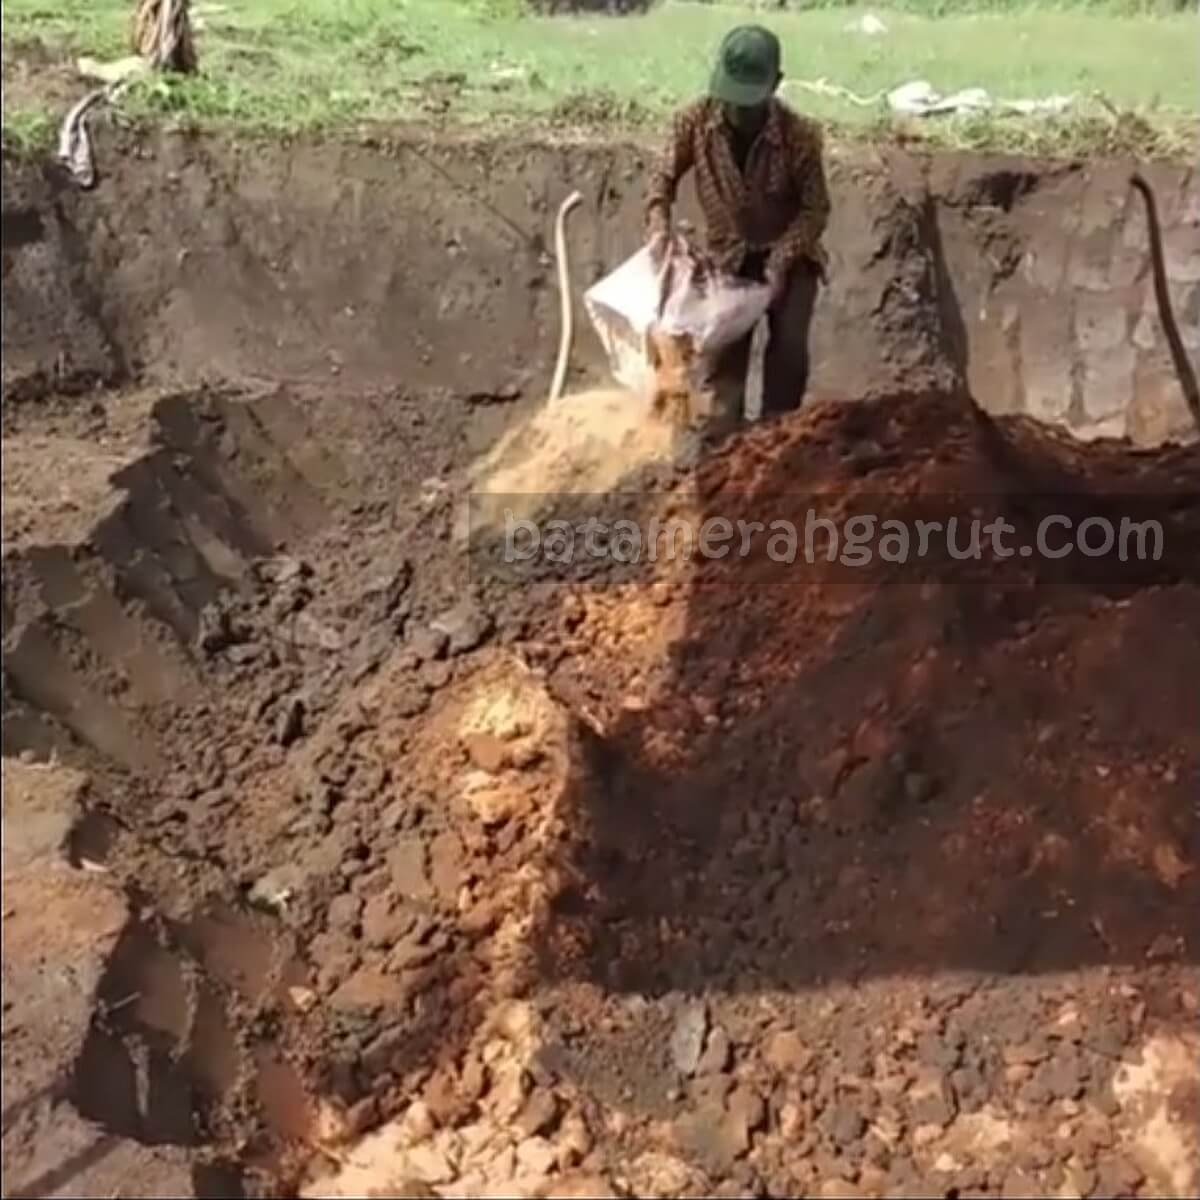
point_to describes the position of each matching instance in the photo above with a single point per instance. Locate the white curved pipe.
(567, 330)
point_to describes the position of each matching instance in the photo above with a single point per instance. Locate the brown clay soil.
(342, 859)
(764, 878)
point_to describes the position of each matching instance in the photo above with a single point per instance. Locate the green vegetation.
(27, 130)
(295, 65)
(943, 8)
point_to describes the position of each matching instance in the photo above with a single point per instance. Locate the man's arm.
(802, 237)
(673, 163)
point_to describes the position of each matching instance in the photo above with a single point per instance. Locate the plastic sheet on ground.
(75, 151)
(919, 98)
(868, 24)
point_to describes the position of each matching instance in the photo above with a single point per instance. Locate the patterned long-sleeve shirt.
(779, 205)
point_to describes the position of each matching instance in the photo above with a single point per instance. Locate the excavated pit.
(765, 878)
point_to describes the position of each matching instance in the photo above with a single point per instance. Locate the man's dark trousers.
(785, 361)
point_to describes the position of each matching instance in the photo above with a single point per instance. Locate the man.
(760, 180)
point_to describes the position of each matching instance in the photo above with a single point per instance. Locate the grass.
(288, 66)
(28, 130)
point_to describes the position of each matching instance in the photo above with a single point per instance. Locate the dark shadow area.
(955, 343)
(835, 773)
(49, 1182)
(105, 1087)
(218, 471)
(76, 254)
(130, 1078)
(22, 227)
(218, 1181)
(133, 1079)
(92, 838)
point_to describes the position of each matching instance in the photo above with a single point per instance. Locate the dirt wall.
(585, 874)
(426, 262)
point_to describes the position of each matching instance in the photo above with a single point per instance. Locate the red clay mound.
(816, 770)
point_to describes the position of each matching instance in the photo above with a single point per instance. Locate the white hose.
(564, 294)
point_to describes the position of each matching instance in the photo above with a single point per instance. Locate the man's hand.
(777, 282)
(658, 245)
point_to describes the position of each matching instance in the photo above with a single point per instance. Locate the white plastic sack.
(869, 24)
(682, 296)
(921, 99)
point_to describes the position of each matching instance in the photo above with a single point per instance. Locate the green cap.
(747, 66)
